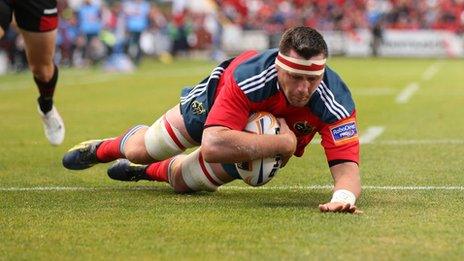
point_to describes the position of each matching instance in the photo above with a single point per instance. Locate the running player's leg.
(40, 49)
(185, 173)
(37, 21)
(141, 144)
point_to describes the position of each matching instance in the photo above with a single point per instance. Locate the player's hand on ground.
(291, 141)
(339, 207)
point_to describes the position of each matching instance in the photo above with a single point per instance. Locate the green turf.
(107, 220)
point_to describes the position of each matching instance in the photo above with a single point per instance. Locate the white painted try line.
(405, 95)
(371, 134)
(323, 187)
(270, 188)
(83, 78)
(373, 91)
(431, 71)
(418, 142)
(408, 142)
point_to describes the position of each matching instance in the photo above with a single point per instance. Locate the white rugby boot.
(53, 126)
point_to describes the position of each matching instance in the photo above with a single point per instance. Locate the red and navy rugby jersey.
(249, 84)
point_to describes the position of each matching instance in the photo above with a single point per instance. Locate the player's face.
(298, 88)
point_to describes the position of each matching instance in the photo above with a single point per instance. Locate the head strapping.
(301, 66)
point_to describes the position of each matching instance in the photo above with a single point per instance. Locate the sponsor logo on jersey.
(344, 132)
(197, 108)
(303, 127)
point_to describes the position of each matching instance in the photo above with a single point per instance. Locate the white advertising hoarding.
(399, 43)
(396, 43)
(421, 43)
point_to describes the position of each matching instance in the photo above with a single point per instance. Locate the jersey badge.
(197, 108)
(344, 132)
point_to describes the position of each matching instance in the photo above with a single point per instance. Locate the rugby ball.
(260, 171)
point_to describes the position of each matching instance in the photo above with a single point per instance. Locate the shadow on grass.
(156, 195)
(247, 197)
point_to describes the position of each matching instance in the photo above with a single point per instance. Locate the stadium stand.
(178, 27)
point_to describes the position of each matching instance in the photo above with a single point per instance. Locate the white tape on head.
(300, 66)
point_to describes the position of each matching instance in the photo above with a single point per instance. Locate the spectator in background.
(13, 45)
(213, 24)
(90, 25)
(155, 41)
(190, 28)
(179, 30)
(114, 38)
(68, 33)
(136, 17)
(377, 37)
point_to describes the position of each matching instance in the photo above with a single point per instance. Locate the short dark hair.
(305, 41)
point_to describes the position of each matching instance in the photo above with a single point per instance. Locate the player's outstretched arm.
(347, 188)
(223, 145)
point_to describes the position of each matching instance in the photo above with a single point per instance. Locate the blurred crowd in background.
(116, 34)
(347, 14)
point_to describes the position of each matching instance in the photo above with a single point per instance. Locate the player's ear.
(279, 70)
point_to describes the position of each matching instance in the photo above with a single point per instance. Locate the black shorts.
(30, 15)
(195, 104)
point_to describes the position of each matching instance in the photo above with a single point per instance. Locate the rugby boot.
(124, 170)
(53, 126)
(82, 156)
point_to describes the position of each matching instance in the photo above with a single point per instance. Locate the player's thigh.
(176, 119)
(165, 138)
(40, 48)
(168, 136)
(38, 20)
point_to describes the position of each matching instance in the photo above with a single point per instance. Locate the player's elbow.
(212, 145)
(211, 152)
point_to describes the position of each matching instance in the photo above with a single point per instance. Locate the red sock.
(109, 150)
(159, 171)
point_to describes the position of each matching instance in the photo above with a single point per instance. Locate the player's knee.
(133, 146)
(135, 155)
(42, 72)
(210, 149)
(177, 182)
(209, 152)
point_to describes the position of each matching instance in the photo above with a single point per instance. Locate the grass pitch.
(412, 172)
